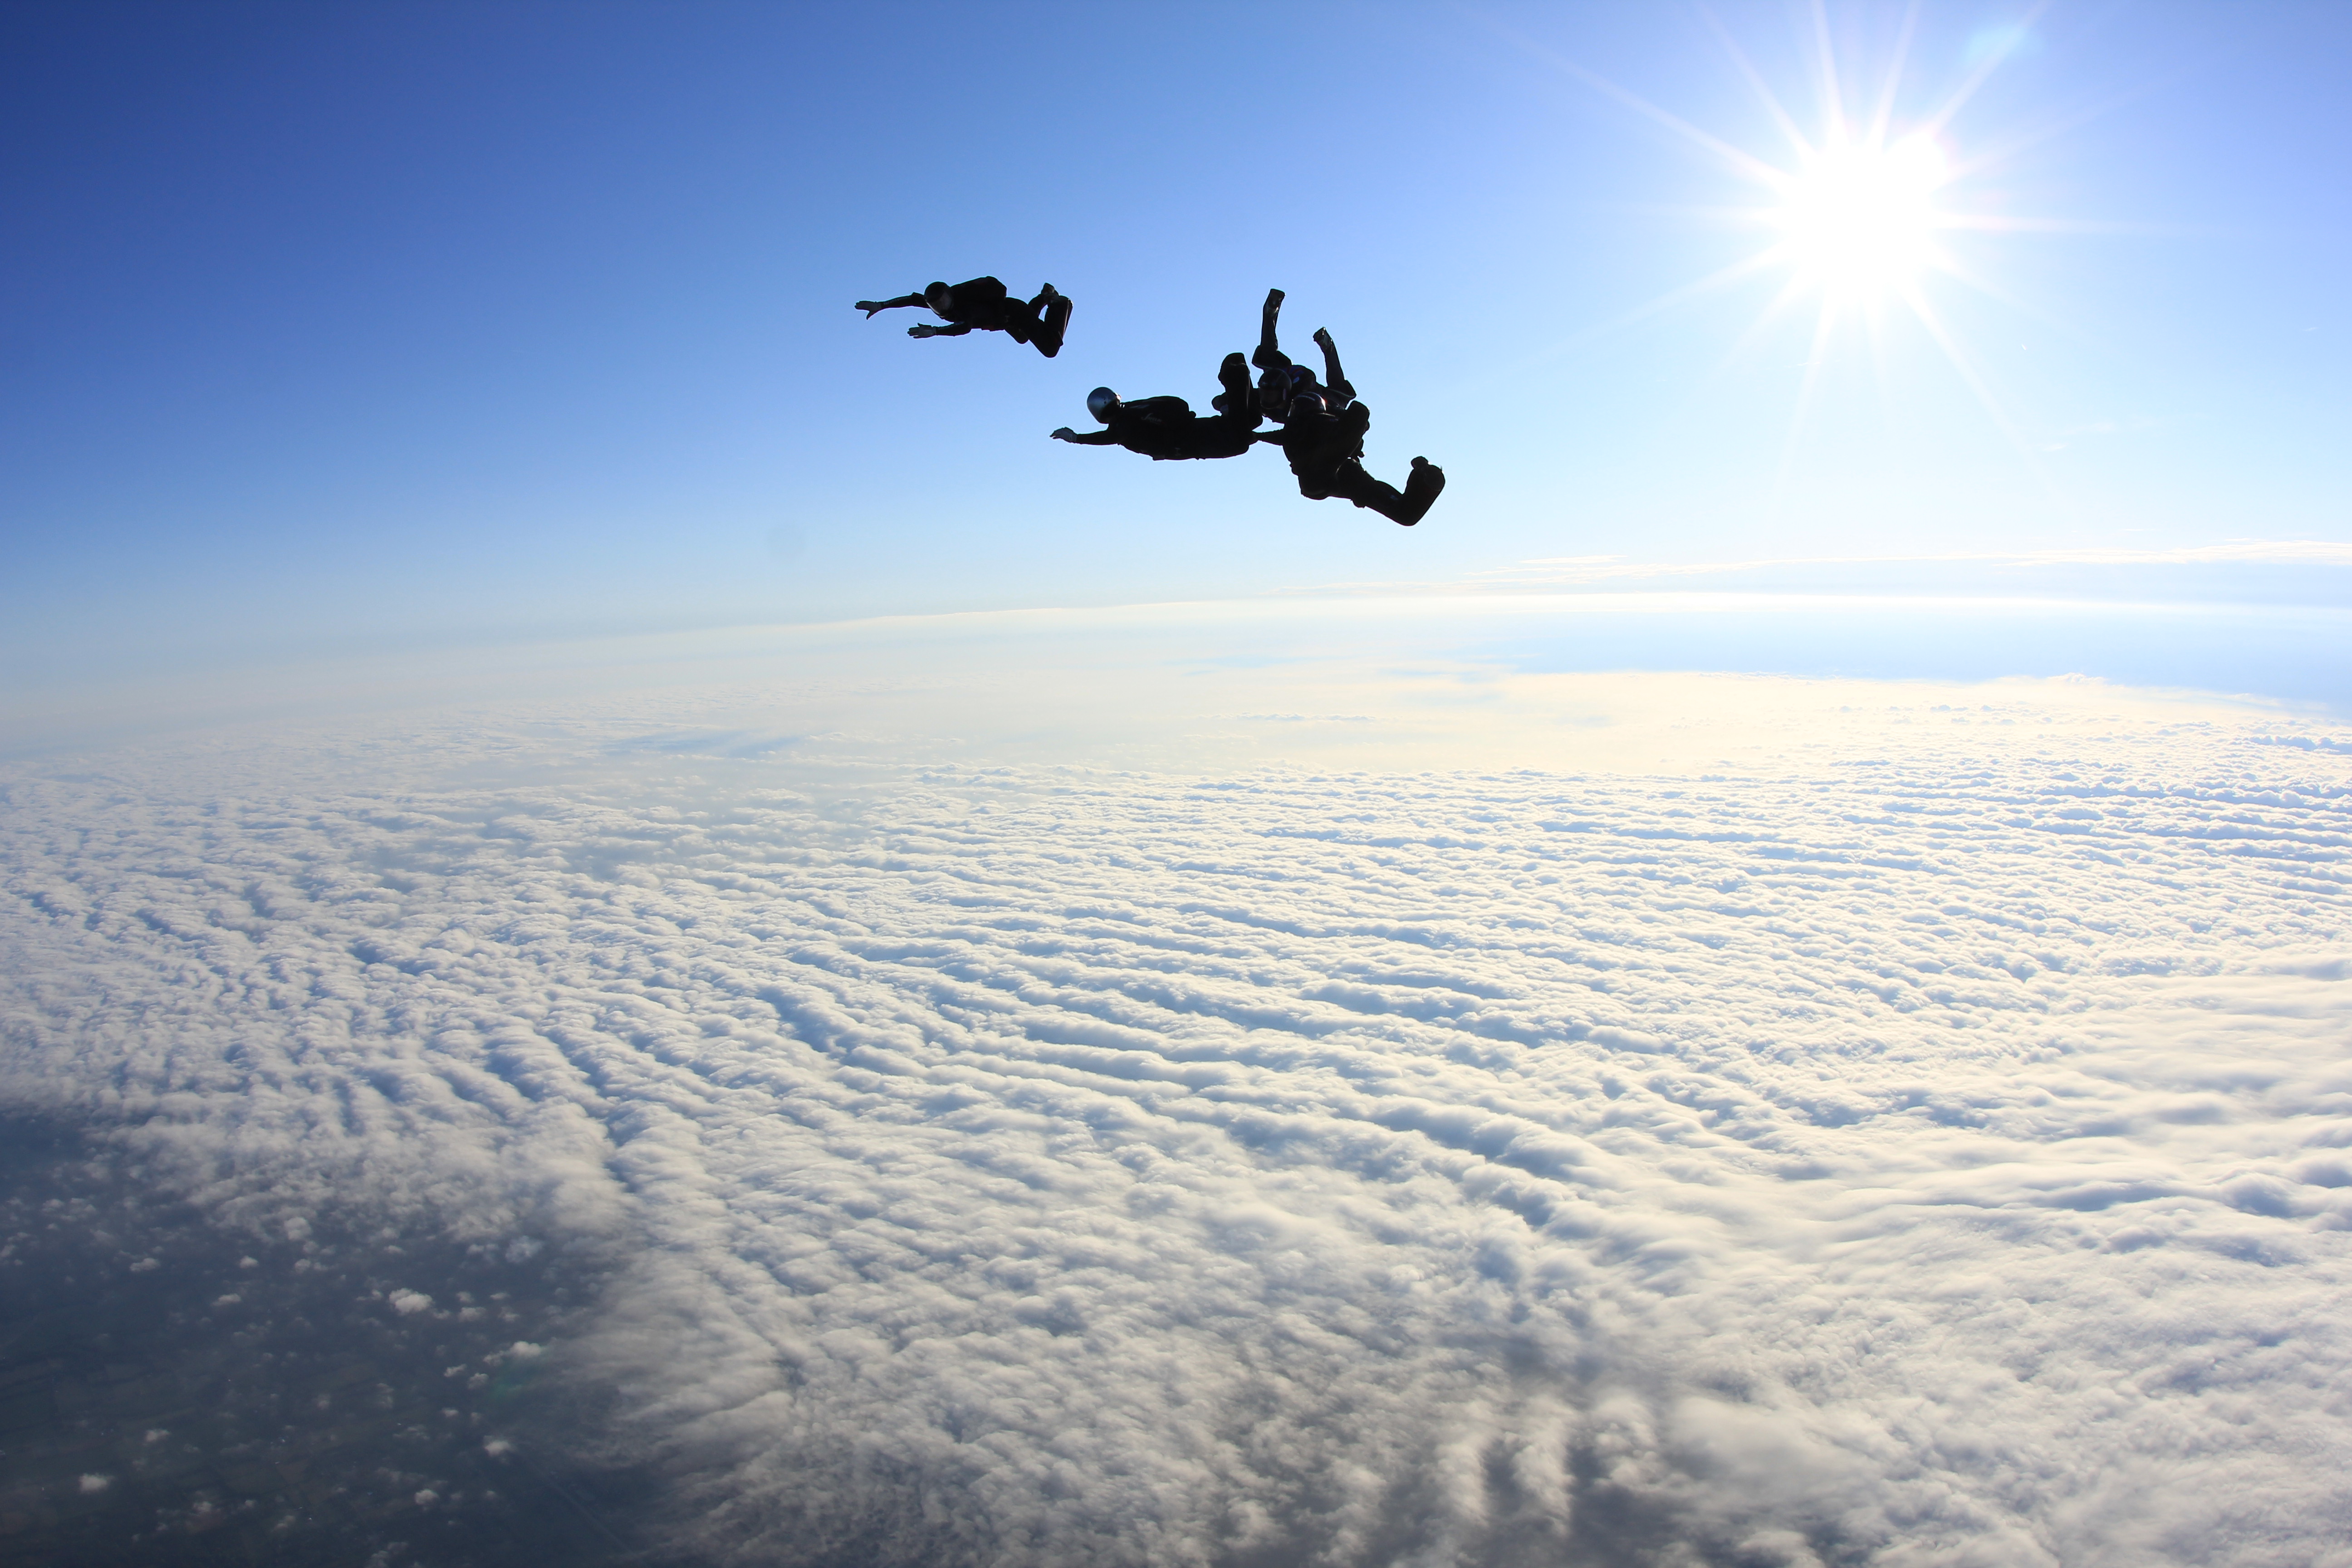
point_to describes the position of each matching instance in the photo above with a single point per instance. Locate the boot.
(1053, 321)
(1269, 356)
(1421, 489)
(1333, 376)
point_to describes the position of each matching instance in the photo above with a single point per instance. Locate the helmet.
(1102, 402)
(1307, 399)
(940, 297)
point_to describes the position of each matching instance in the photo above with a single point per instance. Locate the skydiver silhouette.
(983, 304)
(1325, 452)
(1166, 429)
(1321, 430)
(1284, 379)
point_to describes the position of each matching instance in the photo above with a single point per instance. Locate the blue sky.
(336, 327)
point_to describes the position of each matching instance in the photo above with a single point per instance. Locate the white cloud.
(1572, 570)
(1932, 1156)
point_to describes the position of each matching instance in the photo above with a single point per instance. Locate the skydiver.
(1166, 429)
(1326, 449)
(1284, 379)
(983, 304)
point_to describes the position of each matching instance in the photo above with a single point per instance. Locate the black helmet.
(1102, 402)
(1306, 400)
(940, 297)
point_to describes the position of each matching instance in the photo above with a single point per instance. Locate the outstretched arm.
(929, 330)
(870, 306)
(1091, 438)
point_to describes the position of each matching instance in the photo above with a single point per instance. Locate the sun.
(1855, 206)
(1859, 221)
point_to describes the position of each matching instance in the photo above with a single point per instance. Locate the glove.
(869, 306)
(924, 331)
(1064, 434)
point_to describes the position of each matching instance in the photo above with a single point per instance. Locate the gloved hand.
(924, 331)
(1064, 434)
(869, 306)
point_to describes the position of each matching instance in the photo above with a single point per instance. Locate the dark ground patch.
(174, 1393)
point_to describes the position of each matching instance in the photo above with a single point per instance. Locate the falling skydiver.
(1284, 379)
(1166, 429)
(983, 304)
(1321, 428)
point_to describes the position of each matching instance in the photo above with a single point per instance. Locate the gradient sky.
(335, 326)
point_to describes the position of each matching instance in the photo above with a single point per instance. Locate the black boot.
(1421, 489)
(1053, 319)
(1333, 376)
(1269, 355)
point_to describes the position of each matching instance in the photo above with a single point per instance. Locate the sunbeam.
(1823, 325)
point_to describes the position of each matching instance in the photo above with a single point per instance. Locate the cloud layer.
(1941, 1159)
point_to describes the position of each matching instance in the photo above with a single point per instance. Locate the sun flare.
(1860, 219)
(1856, 208)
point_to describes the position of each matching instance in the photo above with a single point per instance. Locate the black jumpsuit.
(1165, 429)
(982, 304)
(1325, 452)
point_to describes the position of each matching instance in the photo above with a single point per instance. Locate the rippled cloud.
(1940, 1156)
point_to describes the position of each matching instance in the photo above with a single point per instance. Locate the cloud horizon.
(1907, 1157)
